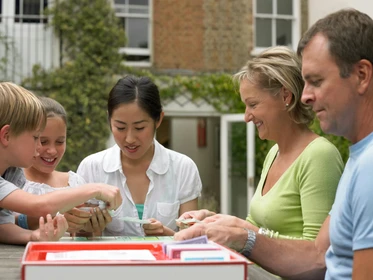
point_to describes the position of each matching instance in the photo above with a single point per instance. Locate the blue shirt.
(351, 221)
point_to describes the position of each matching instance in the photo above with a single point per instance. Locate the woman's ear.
(5, 135)
(287, 96)
(160, 120)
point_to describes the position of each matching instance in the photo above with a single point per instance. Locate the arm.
(292, 259)
(62, 201)
(362, 266)
(52, 230)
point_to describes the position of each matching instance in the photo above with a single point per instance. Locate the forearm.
(13, 234)
(51, 203)
(292, 259)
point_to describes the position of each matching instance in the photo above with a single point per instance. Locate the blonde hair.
(20, 109)
(275, 68)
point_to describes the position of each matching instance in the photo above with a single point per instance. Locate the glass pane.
(285, 7)
(283, 32)
(139, 2)
(264, 6)
(33, 8)
(263, 32)
(121, 2)
(238, 169)
(137, 33)
(139, 10)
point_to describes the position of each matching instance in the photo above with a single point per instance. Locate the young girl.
(42, 177)
(157, 184)
(20, 126)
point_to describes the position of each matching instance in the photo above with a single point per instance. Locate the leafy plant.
(90, 59)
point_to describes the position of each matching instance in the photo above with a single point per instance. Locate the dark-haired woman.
(157, 184)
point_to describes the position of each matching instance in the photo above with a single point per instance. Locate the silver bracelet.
(266, 232)
(250, 242)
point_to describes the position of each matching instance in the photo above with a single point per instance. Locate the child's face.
(24, 148)
(53, 145)
(133, 130)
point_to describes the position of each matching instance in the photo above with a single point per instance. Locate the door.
(237, 164)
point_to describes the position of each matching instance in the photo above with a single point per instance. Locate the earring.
(286, 105)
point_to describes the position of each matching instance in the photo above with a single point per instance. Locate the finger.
(95, 223)
(189, 233)
(62, 224)
(100, 219)
(80, 213)
(49, 226)
(42, 228)
(78, 220)
(107, 216)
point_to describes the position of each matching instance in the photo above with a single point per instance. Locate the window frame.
(23, 18)
(295, 30)
(136, 51)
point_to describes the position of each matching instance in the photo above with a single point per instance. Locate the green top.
(140, 210)
(297, 205)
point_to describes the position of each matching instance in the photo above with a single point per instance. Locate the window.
(134, 18)
(30, 11)
(276, 23)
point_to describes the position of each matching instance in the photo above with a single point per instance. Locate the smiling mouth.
(49, 160)
(258, 124)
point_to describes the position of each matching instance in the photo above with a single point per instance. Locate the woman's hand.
(76, 219)
(155, 228)
(98, 221)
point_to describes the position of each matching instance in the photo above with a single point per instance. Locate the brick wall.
(201, 35)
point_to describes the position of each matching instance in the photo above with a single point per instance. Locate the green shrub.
(91, 38)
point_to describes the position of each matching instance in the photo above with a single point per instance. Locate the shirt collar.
(159, 164)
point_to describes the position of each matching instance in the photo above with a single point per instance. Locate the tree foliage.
(89, 33)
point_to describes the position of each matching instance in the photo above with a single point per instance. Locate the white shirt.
(41, 188)
(174, 180)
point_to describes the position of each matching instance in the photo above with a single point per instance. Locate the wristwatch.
(250, 242)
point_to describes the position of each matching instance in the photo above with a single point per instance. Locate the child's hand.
(52, 230)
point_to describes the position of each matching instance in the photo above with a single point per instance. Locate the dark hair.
(350, 36)
(53, 108)
(132, 89)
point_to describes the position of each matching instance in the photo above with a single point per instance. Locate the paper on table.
(134, 220)
(91, 255)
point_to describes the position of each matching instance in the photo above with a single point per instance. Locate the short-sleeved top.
(174, 180)
(13, 179)
(351, 218)
(41, 188)
(297, 205)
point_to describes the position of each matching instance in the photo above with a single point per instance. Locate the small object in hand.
(134, 220)
(187, 222)
(92, 203)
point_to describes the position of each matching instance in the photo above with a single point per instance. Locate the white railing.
(26, 41)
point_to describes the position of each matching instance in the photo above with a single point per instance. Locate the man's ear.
(364, 74)
(5, 135)
(160, 120)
